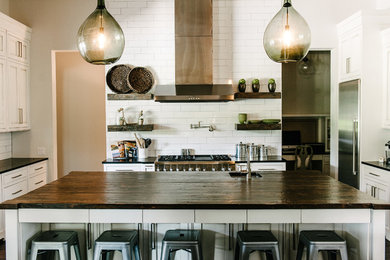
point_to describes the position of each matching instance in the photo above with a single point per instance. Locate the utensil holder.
(142, 153)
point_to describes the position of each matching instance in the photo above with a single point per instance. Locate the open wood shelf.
(260, 126)
(265, 95)
(131, 96)
(130, 127)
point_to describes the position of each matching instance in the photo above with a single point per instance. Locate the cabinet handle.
(373, 174)
(124, 170)
(38, 182)
(230, 236)
(17, 176)
(153, 236)
(89, 242)
(37, 169)
(20, 115)
(16, 192)
(348, 65)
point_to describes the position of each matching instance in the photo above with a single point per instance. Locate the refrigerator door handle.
(354, 135)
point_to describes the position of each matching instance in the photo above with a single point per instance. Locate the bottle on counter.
(141, 118)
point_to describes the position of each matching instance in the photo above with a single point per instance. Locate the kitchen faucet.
(198, 125)
(248, 165)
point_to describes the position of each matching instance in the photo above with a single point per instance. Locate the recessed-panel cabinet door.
(3, 107)
(13, 47)
(17, 96)
(12, 95)
(23, 81)
(2, 43)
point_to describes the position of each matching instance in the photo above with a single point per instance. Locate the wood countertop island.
(206, 200)
(217, 190)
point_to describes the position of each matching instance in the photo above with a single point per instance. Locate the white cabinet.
(2, 42)
(262, 166)
(350, 47)
(14, 75)
(376, 183)
(3, 107)
(18, 48)
(386, 78)
(129, 167)
(18, 182)
(17, 93)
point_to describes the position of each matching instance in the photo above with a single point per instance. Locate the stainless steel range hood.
(194, 93)
(193, 57)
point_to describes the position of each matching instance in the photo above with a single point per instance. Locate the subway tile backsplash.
(238, 27)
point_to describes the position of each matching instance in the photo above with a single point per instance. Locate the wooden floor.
(2, 250)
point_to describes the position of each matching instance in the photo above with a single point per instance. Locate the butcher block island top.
(192, 190)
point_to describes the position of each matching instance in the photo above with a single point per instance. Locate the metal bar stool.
(319, 240)
(250, 241)
(188, 240)
(117, 240)
(60, 241)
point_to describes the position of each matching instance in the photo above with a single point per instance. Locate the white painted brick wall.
(238, 27)
(5, 146)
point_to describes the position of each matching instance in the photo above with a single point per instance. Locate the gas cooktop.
(195, 158)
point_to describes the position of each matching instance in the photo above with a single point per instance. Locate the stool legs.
(300, 251)
(77, 251)
(164, 252)
(343, 253)
(97, 252)
(34, 253)
(136, 252)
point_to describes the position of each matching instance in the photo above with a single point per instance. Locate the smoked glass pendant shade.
(100, 39)
(287, 37)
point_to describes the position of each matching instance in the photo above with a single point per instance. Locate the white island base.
(364, 229)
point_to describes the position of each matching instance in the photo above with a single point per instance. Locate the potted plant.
(255, 85)
(241, 85)
(271, 85)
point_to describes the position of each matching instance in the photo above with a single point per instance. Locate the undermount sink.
(243, 174)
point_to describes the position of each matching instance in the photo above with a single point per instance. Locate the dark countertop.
(377, 164)
(16, 163)
(197, 190)
(152, 159)
(271, 158)
(135, 160)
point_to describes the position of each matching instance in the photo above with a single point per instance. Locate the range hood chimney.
(194, 56)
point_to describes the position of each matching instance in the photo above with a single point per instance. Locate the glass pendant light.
(100, 39)
(287, 37)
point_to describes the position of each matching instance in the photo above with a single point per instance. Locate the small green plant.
(255, 81)
(241, 81)
(271, 81)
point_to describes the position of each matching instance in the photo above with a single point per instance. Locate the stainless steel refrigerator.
(349, 114)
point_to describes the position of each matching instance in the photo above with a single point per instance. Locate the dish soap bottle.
(141, 118)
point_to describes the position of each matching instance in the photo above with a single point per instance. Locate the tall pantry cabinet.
(14, 75)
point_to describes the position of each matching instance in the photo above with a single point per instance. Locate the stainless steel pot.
(241, 151)
(254, 152)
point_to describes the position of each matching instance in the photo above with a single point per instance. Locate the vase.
(255, 87)
(241, 87)
(271, 87)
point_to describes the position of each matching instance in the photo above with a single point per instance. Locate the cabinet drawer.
(123, 167)
(14, 176)
(15, 190)
(37, 169)
(376, 174)
(36, 181)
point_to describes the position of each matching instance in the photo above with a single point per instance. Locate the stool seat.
(188, 240)
(117, 236)
(256, 240)
(60, 241)
(321, 240)
(109, 241)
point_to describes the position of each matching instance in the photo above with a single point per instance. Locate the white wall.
(4, 6)
(238, 28)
